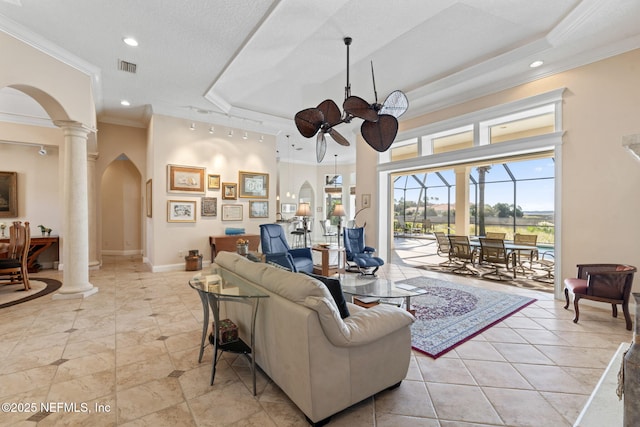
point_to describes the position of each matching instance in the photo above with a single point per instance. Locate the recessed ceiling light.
(125, 103)
(536, 64)
(130, 41)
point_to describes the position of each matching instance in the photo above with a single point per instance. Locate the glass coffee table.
(382, 289)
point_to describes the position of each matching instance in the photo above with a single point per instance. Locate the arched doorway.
(121, 208)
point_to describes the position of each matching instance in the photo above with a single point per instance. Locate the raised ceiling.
(253, 64)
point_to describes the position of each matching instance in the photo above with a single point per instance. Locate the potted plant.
(242, 246)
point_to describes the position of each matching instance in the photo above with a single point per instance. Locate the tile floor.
(129, 353)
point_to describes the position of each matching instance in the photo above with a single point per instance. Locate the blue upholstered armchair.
(358, 255)
(277, 250)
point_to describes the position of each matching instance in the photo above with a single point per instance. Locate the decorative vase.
(631, 366)
(243, 249)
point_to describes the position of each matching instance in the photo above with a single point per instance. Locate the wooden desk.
(228, 243)
(37, 246)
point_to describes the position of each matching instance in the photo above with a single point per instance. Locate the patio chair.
(462, 254)
(495, 235)
(608, 283)
(494, 255)
(546, 263)
(444, 248)
(526, 256)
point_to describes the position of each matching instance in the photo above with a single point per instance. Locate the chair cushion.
(335, 288)
(303, 265)
(9, 263)
(365, 260)
(577, 286)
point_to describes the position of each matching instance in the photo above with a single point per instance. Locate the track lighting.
(245, 135)
(230, 134)
(193, 126)
(211, 129)
(42, 151)
(261, 138)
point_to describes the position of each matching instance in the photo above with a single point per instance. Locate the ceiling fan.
(380, 125)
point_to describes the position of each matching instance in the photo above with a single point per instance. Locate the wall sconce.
(193, 126)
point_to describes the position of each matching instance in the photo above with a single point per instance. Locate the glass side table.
(211, 296)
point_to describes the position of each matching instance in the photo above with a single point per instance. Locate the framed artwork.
(149, 199)
(181, 211)
(185, 179)
(213, 182)
(229, 191)
(8, 194)
(254, 184)
(288, 208)
(232, 212)
(209, 206)
(258, 209)
(366, 200)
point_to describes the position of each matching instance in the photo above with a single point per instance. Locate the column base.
(75, 295)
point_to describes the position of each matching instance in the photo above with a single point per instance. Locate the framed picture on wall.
(232, 212)
(229, 191)
(254, 184)
(209, 206)
(8, 194)
(258, 209)
(288, 208)
(181, 211)
(185, 179)
(149, 199)
(213, 182)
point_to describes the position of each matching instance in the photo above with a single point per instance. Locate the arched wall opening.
(121, 208)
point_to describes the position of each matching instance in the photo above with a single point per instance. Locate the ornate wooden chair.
(608, 283)
(493, 254)
(13, 269)
(463, 254)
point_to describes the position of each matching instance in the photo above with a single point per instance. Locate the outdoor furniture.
(360, 256)
(527, 255)
(494, 255)
(277, 250)
(462, 253)
(13, 268)
(495, 235)
(444, 247)
(546, 263)
(609, 283)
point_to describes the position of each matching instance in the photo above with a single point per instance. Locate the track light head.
(42, 151)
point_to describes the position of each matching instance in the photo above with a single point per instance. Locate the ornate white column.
(75, 282)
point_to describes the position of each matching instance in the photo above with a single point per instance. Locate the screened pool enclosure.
(515, 196)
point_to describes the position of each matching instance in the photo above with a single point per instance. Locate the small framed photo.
(254, 185)
(185, 179)
(232, 212)
(209, 206)
(288, 208)
(366, 200)
(213, 182)
(9, 194)
(149, 199)
(181, 211)
(258, 209)
(229, 191)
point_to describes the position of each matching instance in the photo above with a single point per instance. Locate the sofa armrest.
(375, 323)
(281, 258)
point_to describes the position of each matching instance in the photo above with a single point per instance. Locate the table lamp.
(304, 210)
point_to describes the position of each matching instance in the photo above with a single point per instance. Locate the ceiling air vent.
(128, 67)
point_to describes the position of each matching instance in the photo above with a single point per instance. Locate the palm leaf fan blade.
(380, 135)
(309, 121)
(360, 108)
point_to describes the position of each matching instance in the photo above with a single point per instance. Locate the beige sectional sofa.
(322, 362)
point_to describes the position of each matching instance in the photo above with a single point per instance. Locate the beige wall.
(598, 181)
(173, 143)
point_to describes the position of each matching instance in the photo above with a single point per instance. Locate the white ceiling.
(253, 64)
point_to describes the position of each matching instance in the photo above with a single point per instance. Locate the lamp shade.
(338, 210)
(303, 210)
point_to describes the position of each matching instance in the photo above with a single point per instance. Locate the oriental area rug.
(15, 294)
(448, 314)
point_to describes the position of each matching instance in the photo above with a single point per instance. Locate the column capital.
(72, 124)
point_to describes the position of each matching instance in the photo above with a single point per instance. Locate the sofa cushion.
(335, 288)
